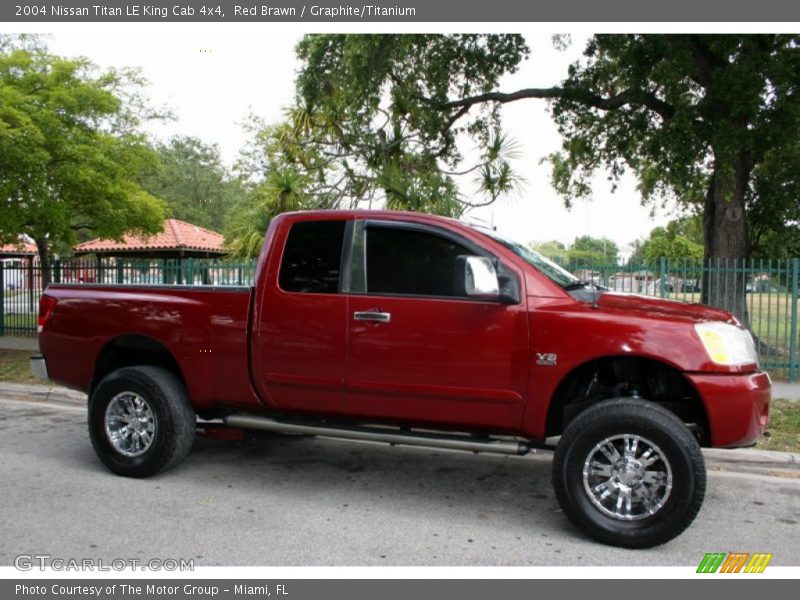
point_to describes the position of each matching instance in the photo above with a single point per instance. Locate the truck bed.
(203, 328)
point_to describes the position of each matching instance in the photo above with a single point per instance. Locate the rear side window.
(312, 257)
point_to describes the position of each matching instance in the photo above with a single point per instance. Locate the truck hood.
(659, 307)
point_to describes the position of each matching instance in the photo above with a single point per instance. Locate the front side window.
(312, 257)
(410, 262)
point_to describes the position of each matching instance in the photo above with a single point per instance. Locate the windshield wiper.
(577, 285)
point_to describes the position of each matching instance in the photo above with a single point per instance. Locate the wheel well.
(131, 351)
(626, 376)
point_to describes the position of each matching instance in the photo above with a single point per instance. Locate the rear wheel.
(629, 473)
(140, 421)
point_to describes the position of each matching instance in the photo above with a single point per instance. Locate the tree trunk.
(726, 241)
(44, 260)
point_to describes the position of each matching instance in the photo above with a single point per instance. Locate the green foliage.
(585, 250)
(553, 250)
(368, 105)
(687, 226)
(194, 182)
(773, 204)
(594, 251)
(70, 152)
(681, 239)
(637, 252)
(277, 182)
(663, 245)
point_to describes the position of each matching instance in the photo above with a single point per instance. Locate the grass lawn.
(784, 427)
(14, 367)
(784, 420)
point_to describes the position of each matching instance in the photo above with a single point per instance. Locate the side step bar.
(395, 437)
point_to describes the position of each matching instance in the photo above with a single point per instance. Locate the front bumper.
(39, 367)
(737, 406)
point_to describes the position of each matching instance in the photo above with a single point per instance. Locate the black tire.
(683, 459)
(172, 417)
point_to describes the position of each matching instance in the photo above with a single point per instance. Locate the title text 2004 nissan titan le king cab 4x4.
(413, 329)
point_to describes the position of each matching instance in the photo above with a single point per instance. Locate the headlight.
(727, 344)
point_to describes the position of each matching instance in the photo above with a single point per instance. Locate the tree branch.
(627, 97)
(460, 113)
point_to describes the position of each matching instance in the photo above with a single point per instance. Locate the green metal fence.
(763, 293)
(22, 281)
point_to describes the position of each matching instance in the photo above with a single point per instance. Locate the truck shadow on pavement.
(487, 486)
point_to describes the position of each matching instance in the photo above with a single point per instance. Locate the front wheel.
(140, 421)
(629, 473)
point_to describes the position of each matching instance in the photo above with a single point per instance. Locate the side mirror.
(479, 276)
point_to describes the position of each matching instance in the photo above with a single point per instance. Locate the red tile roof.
(176, 235)
(19, 249)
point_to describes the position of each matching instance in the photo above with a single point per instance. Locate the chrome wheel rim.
(130, 424)
(627, 477)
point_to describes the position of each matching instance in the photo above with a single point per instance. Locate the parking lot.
(282, 500)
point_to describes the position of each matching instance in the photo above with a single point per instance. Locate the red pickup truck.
(413, 329)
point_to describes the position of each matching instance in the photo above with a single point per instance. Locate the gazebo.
(20, 250)
(176, 247)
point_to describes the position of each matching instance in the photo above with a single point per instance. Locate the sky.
(212, 79)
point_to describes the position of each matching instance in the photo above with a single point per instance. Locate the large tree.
(70, 151)
(694, 117)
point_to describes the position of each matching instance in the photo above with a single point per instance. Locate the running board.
(394, 437)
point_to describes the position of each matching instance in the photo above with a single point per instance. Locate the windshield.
(550, 269)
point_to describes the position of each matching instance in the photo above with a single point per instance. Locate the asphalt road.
(285, 500)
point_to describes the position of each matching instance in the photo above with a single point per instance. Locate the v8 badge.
(546, 359)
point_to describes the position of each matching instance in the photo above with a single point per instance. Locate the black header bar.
(401, 11)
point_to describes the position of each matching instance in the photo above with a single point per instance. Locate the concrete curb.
(752, 461)
(41, 393)
(752, 455)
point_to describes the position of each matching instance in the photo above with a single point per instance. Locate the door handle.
(371, 315)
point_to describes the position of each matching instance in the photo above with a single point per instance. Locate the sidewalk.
(787, 391)
(28, 344)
